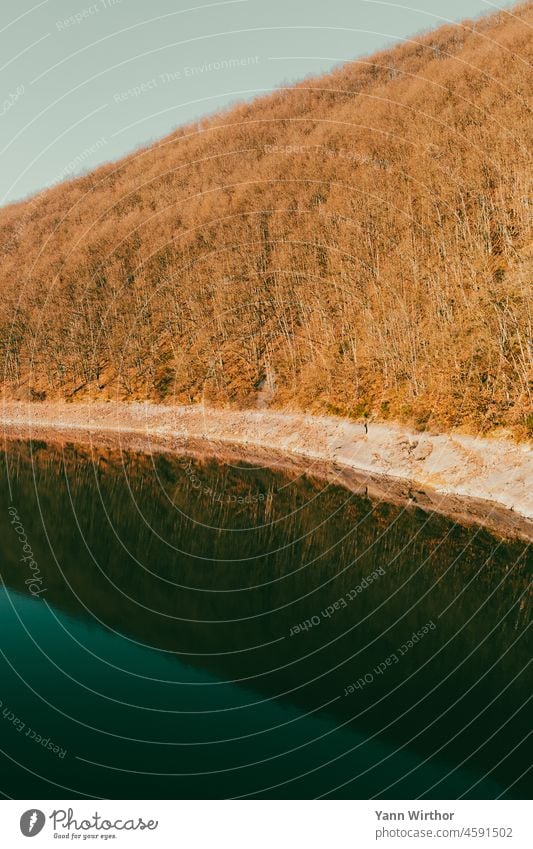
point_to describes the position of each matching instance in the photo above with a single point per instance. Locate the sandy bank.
(481, 480)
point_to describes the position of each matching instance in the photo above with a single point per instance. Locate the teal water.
(199, 630)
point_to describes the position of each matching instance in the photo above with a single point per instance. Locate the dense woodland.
(358, 244)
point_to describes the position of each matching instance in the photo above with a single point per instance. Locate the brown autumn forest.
(358, 244)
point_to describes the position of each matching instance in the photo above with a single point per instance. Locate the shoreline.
(471, 480)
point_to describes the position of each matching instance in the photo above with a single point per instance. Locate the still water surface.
(201, 630)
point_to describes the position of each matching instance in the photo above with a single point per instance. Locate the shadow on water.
(199, 630)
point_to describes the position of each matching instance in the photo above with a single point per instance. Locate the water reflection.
(212, 631)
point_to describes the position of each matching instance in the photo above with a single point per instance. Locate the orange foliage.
(360, 243)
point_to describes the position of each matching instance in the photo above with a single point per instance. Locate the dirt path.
(463, 476)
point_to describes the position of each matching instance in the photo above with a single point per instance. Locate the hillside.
(359, 244)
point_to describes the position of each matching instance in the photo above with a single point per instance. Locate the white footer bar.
(267, 824)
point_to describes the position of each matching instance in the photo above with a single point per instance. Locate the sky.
(86, 81)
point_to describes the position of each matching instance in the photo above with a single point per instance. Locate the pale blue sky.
(85, 81)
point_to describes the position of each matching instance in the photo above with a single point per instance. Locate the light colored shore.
(479, 480)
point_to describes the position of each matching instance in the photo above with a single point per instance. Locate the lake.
(181, 627)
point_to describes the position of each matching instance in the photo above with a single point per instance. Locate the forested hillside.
(358, 244)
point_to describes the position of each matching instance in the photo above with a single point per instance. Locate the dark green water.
(158, 658)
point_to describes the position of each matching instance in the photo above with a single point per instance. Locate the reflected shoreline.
(465, 510)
